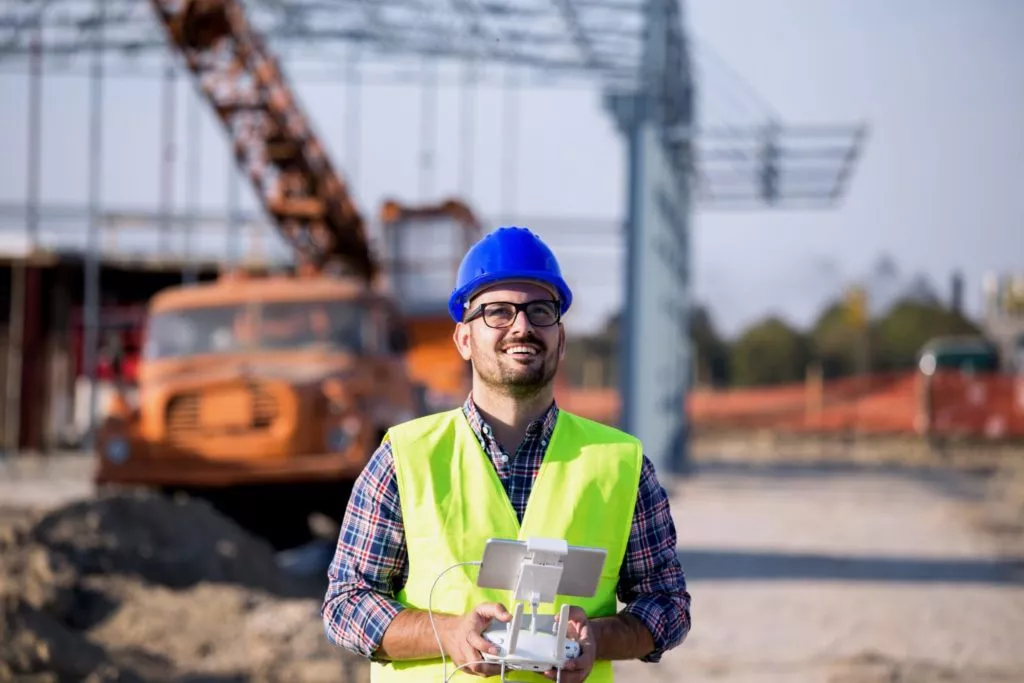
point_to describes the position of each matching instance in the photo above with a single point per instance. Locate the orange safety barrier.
(881, 403)
(597, 404)
(946, 404)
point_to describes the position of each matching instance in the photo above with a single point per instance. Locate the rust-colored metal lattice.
(273, 141)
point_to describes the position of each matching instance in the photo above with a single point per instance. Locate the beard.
(519, 378)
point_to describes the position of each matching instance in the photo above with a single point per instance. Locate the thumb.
(492, 610)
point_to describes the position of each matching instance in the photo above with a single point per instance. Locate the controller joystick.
(499, 637)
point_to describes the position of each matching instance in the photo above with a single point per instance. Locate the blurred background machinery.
(685, 149)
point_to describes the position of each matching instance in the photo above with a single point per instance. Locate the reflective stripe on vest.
(452, 502)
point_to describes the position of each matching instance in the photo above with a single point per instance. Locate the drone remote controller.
(533, 571)
(521, 646)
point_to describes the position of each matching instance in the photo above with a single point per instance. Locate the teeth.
(521, 350)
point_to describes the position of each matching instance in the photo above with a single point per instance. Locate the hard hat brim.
(537, 282)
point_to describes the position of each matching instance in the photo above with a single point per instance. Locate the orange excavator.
(266, 393)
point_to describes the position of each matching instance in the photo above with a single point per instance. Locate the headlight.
(117, 450)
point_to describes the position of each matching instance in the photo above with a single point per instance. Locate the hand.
(463, 643)
(577, 670)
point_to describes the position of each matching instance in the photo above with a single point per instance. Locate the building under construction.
(80, 276)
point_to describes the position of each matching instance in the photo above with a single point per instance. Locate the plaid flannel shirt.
(370, 563)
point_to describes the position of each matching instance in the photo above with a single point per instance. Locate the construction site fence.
(947, 404)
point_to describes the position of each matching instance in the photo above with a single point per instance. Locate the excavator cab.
(423, 246)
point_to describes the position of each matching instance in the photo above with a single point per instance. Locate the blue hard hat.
(508, 253)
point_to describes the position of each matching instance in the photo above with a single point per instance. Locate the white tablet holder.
(535, 570)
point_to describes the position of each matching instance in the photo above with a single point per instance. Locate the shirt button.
(504, 458)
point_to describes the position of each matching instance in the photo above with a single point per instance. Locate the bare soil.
(800, 570)
(139, 587)
(847, 573)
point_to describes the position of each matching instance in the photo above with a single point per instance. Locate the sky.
(939, 188)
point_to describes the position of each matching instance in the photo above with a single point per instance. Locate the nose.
(521, 324)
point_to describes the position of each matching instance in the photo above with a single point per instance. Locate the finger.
(478, 667)
(577, 613)
(492, 610)
(485, 670)
(481, 644)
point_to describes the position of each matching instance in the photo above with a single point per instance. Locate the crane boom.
(273, 142)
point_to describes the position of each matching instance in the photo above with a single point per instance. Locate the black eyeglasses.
(499, 314)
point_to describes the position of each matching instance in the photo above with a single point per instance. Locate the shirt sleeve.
(651, 581)
(370, 563)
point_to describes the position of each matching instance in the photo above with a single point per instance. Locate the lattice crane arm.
(273, 142)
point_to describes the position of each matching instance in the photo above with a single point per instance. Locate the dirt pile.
(133, 587)
(175, 543)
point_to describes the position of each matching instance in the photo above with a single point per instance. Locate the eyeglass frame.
(481, 309)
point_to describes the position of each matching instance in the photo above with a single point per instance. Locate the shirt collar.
(543, 426)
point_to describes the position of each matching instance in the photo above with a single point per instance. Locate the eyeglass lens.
(539, 313)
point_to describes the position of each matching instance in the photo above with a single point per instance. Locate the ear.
(461, 338)
(561, 342)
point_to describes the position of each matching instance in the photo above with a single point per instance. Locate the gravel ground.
(844, 574)
(852, 576)
(41, 482)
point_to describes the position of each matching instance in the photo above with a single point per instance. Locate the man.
(507, 464)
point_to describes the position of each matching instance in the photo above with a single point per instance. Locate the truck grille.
(264, 408)
(185, 417)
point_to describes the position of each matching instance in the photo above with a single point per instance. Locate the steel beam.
(579, 35)
(494, 31)
(655, 342)
(35, 142)
(92, 255)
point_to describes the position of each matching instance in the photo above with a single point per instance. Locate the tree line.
(842, 341)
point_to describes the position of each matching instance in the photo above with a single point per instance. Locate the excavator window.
(424, 252)
(337, 325)
(269, 326)
(194, 331)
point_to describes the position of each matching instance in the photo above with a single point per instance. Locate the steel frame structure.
(636, 51)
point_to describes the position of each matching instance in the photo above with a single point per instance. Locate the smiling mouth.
(521, 351)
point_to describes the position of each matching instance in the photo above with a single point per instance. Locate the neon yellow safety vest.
(453, 502)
